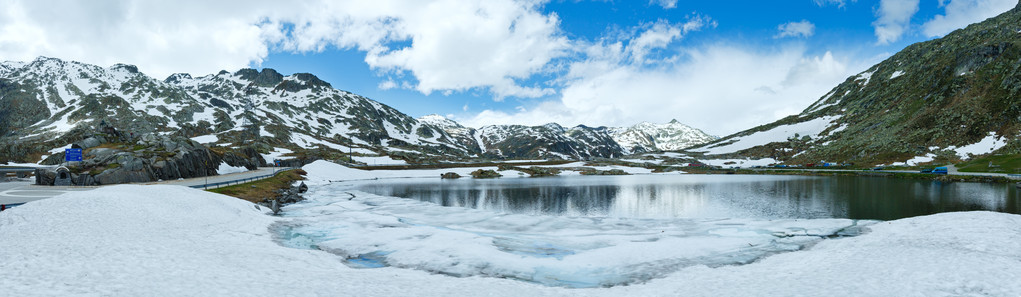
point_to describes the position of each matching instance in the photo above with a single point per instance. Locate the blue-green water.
(708, 196)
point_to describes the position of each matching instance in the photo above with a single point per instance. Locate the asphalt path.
(16, 192)
(951, 170)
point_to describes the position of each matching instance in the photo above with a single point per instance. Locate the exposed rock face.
(152, 157)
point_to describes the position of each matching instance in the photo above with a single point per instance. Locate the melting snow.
(206, 138)
(134, 240)
(896, 74)
(987, 145)
(810, 128)
(227, 169)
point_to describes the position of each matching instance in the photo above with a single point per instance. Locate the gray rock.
(90, 142)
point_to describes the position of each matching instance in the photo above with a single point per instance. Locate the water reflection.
(708, 196)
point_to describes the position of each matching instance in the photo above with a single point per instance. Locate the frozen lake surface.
(593, 231)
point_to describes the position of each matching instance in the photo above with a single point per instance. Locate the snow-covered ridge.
(664, 137)
(812, 129)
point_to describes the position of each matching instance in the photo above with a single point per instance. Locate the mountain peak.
(126, 67)
(673, 121)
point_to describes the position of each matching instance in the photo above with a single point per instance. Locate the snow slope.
(132, 240)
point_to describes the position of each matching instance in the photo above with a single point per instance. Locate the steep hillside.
(941, 100)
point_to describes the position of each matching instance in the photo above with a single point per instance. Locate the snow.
(206, 138)
(896, 74)
(133, 240)
(322, 172)
(554, 250)
(380, 160)
(867, 76)
(916, 160)
(740, 162)
(987, 145)
(811, 128)
(227, 169)
(277, 153)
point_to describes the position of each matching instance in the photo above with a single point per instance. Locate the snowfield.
(133, 240)
(811, 128)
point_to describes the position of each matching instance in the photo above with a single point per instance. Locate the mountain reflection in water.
(707, 196)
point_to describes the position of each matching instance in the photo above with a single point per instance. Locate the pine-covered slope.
(941, 99)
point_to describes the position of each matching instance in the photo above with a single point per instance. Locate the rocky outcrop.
(450, 175)
(151, 158)
(485, 173)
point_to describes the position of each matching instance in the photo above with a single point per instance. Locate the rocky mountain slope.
(941, 100)
(48, 103)
(552, 141)
(647, 137)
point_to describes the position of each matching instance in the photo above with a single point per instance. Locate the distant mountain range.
(936, 101)
(48, 103)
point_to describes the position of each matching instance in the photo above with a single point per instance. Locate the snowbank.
(210, 138)
(132, 240)
(987, 145)
(380, 160)
(227, 169)
(321, 172)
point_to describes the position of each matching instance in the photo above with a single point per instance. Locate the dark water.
(709, 196)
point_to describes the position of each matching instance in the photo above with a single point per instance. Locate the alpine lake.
(707, 196)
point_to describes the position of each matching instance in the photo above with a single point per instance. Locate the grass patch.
(263, 189)
(1005, 163)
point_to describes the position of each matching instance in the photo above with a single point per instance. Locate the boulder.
(450, 175)
(485, 173)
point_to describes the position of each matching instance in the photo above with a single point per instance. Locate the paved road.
(951, 170)
(24, 191)
(198, 181)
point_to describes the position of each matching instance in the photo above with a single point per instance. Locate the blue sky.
(722, 66)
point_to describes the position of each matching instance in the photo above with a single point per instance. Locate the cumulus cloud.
(838, 3)
(445, 45)
(668, 4)
(893, 19)
(804, 28)
(960, 13)
(721, 89)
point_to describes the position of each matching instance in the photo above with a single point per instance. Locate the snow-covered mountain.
(671, 136)
(48, 103)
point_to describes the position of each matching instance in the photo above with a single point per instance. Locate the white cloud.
(804, 28)
(893, 19)
(960, 13)
(160, 37)
(660, 34)
(667, 4)
(839, 3)
(720, 89)
(447, 45)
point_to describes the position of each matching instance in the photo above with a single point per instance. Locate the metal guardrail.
(5, 206)
(240, 181)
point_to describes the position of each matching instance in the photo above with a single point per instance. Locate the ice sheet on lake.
(552, 250)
